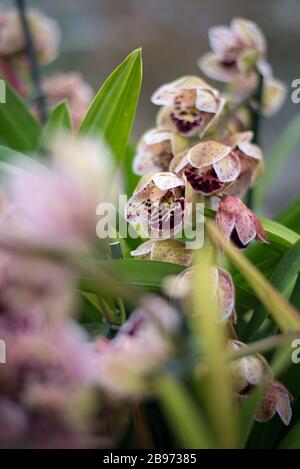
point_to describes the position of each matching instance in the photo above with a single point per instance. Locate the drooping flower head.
(253, 370)
(191, 106)
(180, 287)
(238, 223)
(236, 49)
(211, 167)
(156, 149)
(159, 204)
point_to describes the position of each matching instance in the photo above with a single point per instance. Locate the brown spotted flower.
(181, 286)
(235, 49)
(211, 167)
(191, 106)
(159, 204)
(169, 250)
(253, 370)
(238, 223)
(156, 149)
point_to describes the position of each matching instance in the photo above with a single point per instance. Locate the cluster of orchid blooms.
(55, 371)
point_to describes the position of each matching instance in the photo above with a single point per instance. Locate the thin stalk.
(256, 123)
(32, 57)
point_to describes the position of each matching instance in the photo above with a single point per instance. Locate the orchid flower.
(159, 204)
(180, 287)
(191, 106)
(156, 149)
(211, 167)
(249, 372)
(236, 49)
(238, 223)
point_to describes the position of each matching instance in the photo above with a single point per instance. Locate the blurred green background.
(98, 34)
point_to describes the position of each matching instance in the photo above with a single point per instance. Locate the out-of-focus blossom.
(141, 348)
(191, 106)
(274, 91)
(236, 49)
(45, 33)
(159, 204)
(156, 149)
(253, 370)
(169, 250)
(181, 287)
(59, 203)
(72, 88)
(46, 388)
(211, 167)
(238, 223)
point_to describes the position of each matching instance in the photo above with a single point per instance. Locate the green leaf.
(290, 216)
(182, 414)
(247, 413)
(292, 439)
(283, 274)
(283, 314)
(11, 160)
(112, 111)
(130, 179)
(18, 128)
(277, 157)
(133, 273)
(59, 121)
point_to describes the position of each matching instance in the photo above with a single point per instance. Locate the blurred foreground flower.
(141, 348)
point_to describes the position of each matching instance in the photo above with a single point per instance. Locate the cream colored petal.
(214, 121)
(234, 140)
(251, 150)
(207, 100)
(179, 162)
(164, 95)
(143, 249)
(207, 153)
(210, 64)
(190, 82)
(221, 39)
(172, 251)
(165, 181)
(226, 293)
(157, 135)
(274, 95)
(163, 118)
(144, 163)
(228, 168)
(249, 33)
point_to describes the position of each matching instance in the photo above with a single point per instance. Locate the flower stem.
(34, 67)
(256, 121)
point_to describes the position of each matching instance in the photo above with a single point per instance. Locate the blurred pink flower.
(45, 32)
(238, 223)
(72, 88)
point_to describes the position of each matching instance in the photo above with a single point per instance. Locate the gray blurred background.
(98, 34)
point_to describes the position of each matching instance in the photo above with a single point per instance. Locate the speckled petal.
(210, 64)
(251, 150)
(157, 135)
(207, 100)
(206, 153)
(260, 231)
(234, 140)
(274, 95)
(172, 251)
(165, 181)
(179, 162)
(226, 293)
(245, 228)
(164, 119)
(249, 33)
(228, 168)
(144, 249)
(225, 222)
(283, 403)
